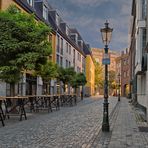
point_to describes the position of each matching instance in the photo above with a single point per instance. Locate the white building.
(138, 53)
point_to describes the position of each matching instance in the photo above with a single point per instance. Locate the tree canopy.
(65, 75)
(99, 77)
(79, 79)
(24, 44)
(48, 71)
(112, 78)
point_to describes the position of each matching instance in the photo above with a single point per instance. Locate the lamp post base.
(105, 128)
(105, 123)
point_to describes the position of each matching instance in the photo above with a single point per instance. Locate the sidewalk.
(125, 129)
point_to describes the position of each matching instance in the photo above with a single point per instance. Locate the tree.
(112, 77)
(112, 80)
(65, 75)
(23, 44)
(79, 79)
(47, 72)
(99, 77)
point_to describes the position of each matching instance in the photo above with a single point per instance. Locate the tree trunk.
(12, 89)
(64, 87)
(49, 87)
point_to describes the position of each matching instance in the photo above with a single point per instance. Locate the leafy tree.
(23, 44)
(47, 72)
(112, 82)
(79, 79)
(99, 75)
(112, 78)
(65, 75)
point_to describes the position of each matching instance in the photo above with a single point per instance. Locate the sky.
(89, 16)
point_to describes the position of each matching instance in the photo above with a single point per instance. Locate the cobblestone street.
(70, 127)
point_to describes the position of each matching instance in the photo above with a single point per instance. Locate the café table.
(17, 107)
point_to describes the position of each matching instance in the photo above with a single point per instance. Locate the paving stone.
(69, 127)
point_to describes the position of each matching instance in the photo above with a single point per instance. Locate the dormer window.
(30, 2)
(57, 19)
(45, 12)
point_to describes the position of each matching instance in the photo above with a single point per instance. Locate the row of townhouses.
(68, 49)
(138, 50)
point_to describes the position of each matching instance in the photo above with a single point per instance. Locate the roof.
(38, 15)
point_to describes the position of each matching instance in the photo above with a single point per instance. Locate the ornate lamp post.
(119, 87)
(106, 38)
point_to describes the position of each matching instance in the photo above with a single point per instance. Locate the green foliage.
(79, 79)
(99, 77)
(23, 44)
(112, 77)
(65, 75)
(48, 71)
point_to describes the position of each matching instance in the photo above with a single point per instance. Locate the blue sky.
(88, 16)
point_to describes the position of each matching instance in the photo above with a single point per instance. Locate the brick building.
(98, 55)
(125, 73)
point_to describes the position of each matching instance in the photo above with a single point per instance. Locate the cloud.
(90, 3)
(88, 16)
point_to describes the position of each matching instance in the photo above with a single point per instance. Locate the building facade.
(90, 72)
(98, 56)
(138, 53)
(124, 75)
(67, 46)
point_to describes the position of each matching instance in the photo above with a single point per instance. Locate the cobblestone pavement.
(125, 131)
(71, 127)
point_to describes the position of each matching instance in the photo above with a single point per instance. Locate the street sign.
(106, 61)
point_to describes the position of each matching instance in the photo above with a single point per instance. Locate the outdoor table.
(54, 101)
(40, 102)
(13, 108)
(68, 99)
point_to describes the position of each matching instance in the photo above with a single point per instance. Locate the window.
(61, 46)
(69, 64)
(143, 9)
(143, 38)
(58, 44)
(74, 56)
(83, 62)
(61, 61)
(79, 56)
(127, 73)
(45, 12)
(57, 19)
(124, 74)
(67, 47)
(30, 2)
(66, 63)
(57, 59)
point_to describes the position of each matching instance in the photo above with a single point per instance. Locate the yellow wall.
(90, 76)
(54, 47)
(4, 4)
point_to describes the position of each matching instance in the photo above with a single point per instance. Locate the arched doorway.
(126, 90)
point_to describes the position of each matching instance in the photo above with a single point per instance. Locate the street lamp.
(106, 38)
(119, 87)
